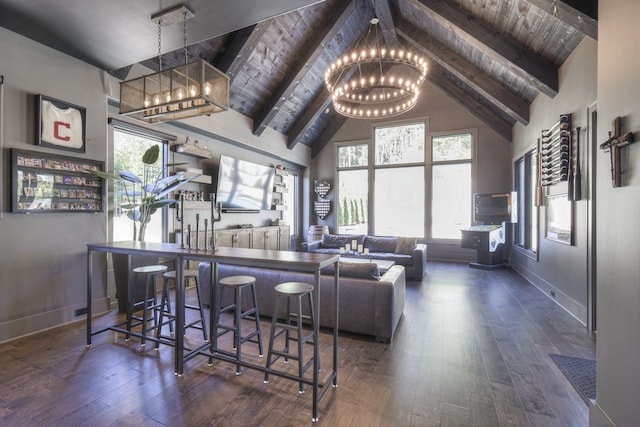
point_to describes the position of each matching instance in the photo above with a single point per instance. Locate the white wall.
(618, 251)
(43, 256)
(493, 161)
(560, 268)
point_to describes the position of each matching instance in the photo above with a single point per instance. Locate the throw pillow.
(406, 245)
(367, 270)
(381, 244)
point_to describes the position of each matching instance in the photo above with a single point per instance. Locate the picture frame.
(51, 183)
(60, 124)
(559, 219)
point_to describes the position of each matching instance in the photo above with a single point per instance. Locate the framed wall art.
(48, 183)
(60, 124)
(559, 219)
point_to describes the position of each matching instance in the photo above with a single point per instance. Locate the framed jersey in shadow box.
(47, 183)
(60, 124)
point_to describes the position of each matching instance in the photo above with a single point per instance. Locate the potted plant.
(141, 198)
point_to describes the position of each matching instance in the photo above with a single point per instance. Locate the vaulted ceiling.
(493, 57)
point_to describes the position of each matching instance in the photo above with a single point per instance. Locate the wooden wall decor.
(614, 145)
(322, 208)
(321, 188)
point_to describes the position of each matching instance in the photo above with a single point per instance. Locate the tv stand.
(487, 240)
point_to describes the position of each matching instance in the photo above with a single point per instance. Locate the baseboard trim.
(571, 306)
(40, 322)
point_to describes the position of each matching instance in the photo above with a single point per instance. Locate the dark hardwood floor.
(471, 350)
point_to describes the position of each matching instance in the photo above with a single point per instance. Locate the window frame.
(165, 140)
(429, 175)
(530, 178)
(366, 168)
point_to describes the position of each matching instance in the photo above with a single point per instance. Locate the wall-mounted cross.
(614, 144)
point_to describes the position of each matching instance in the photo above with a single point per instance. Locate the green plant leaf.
(131, 177)
(151, 155)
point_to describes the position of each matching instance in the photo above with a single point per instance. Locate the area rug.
(581, 373)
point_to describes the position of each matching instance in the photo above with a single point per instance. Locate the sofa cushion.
(406, 245)
(339, 240)
(380, 244)
(399, 259)
(367, 270)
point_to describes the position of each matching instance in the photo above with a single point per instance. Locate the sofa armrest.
(419, 256)
(312, 246)
(390, 294)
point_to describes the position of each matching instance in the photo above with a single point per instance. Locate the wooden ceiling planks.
(493, 57)
(303, 62)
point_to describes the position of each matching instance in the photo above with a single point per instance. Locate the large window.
(128, 149)
(353, 191)
(451, 191)
(399, 177)
(526, 229)
(399, 189)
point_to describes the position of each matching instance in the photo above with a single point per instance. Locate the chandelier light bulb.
(375, 81)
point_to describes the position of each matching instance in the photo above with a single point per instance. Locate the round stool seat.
(150, 269)
(293, 288)
(185, 273)
(232, 281)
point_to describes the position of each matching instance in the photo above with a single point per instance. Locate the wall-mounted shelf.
(192, 150)
(193, 204)
(556, 153)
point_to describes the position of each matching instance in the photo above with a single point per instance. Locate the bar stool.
(291, 290)
(237, 283)
(165, 305)
(150, 301)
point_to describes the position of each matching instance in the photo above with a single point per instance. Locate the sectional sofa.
(369, 304)
(402, 250)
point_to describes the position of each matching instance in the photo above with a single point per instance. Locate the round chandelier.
(375, 81)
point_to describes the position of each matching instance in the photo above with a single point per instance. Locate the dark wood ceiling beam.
(318, 106)
(233, 48)
(539, 72)
(385, 14)
(469, 103)
(308, 55)
(243, 50)
(474, 77)
(580, 15)
(335, 123)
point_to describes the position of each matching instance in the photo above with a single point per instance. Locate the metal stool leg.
(201, 310)
(272, 337)
(237, 320)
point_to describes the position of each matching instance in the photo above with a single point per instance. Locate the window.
(525, 176)
(451, 190)
(353, 190)
(399, 180)
(128, 149)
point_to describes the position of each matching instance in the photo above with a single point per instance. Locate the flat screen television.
(494, 208)
(243, 185)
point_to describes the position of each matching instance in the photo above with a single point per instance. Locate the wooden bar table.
(286, 260)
